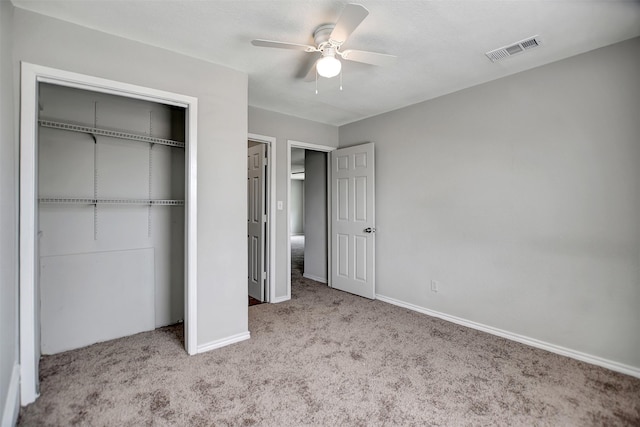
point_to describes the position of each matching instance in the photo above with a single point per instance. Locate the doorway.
(297, 212)
(351, 212)
(260, 215)
(308, 212)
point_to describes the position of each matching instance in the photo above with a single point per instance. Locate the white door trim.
(270, 292)
(31, 75)
(314, 147)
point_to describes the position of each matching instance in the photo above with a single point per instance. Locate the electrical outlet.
(435, 285)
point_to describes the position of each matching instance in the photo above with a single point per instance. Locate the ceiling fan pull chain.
(316, 81)
(340, 79)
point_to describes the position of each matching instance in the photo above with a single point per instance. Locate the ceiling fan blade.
(306, 68)
(372, 58)
(283, 45)
(352, 15)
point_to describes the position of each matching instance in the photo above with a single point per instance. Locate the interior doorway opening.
(350, 191)
(260, 223)
(308, 213)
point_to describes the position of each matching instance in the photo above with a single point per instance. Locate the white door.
(256, 220)
(353, 220)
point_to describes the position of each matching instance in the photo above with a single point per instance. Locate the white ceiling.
(440, 44)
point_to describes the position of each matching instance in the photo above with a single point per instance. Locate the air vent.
(513, 49)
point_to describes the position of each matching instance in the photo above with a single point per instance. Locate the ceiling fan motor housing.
(322, 33)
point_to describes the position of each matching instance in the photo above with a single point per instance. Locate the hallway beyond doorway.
(297, 255)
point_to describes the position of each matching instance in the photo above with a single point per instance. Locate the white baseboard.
(280, 299)
(315, 278)
(223, 342)
(584, 357)
(12, 404)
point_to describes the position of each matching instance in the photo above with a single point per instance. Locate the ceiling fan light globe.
(328, 66)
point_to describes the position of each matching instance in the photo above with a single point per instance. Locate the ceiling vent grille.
(514, 49)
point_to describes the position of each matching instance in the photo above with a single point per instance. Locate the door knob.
(370, 230)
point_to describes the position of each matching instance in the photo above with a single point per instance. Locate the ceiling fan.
(329, 39)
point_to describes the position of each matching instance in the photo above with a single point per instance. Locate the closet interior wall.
(111, 217)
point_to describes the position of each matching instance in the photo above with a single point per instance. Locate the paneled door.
(256, 220)
(353, 220)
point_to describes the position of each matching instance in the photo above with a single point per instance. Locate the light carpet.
(329, 358)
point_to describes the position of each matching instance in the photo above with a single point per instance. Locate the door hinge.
(264, 276)
(264, 218)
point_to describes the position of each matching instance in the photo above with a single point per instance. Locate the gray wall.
(520, 197)
(222, 139)
(296, 207)
(8, 215)
(315, 215)
(283, 128)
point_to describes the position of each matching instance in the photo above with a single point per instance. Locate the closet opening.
(107, 214)
(111, 192)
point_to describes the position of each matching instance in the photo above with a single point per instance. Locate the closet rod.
(111, 133)
(87, 201)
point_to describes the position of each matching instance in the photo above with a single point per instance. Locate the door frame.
(270, 244)
(31, 75)
(314, 147)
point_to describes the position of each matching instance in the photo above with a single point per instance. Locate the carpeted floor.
(297, 257)
(330, 358)
(253, 301)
